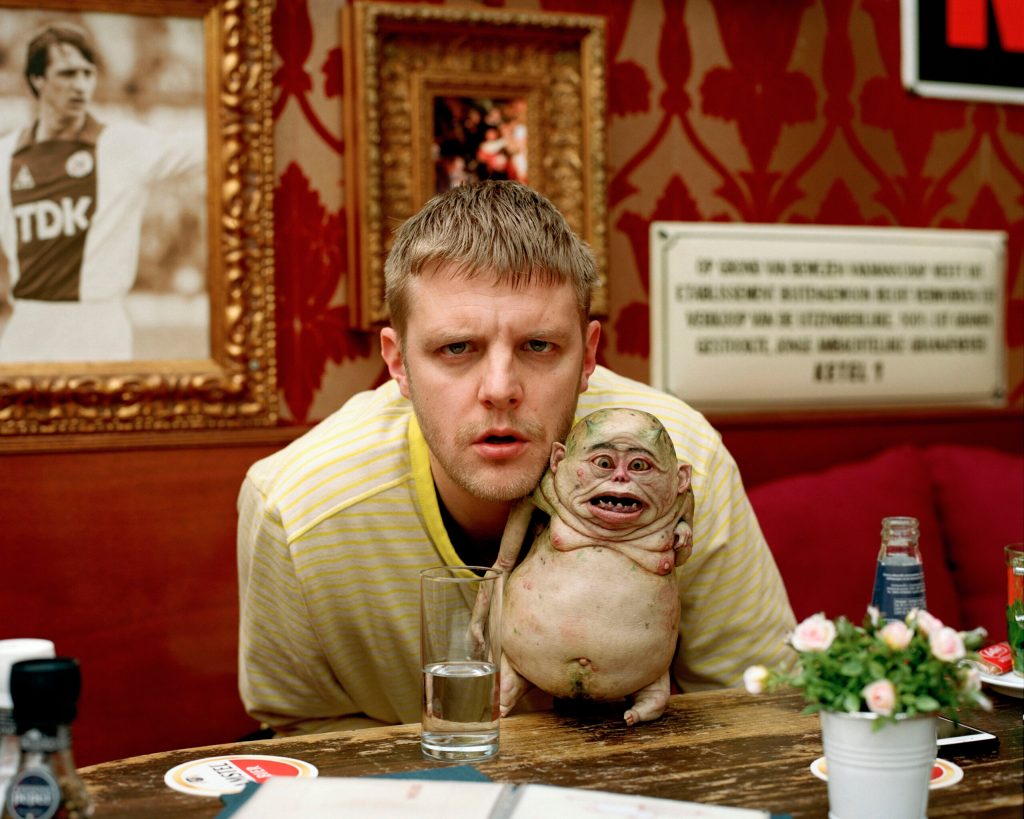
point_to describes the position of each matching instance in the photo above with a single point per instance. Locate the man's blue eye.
(456, 348)
(538, 346)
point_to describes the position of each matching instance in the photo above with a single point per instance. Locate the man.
(72, 196)
(492, 356)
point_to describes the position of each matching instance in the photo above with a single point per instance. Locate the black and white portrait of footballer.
(103, 219)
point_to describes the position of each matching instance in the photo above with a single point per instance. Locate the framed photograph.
(136, 179)
(963, 50)
(436, 97)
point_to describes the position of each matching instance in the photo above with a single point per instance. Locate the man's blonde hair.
(495, 228)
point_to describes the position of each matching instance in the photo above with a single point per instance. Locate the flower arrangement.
(909, 667)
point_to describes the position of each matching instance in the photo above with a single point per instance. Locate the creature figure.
(592, 612)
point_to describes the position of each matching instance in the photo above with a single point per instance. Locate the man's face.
(493, 374)
(67, 87)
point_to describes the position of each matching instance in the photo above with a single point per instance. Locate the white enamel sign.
(750, 317)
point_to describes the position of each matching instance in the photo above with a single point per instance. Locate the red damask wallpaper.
(732, 110)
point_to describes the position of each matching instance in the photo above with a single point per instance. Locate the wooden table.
(724, 747)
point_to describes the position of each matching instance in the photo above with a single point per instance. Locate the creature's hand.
(684, 531)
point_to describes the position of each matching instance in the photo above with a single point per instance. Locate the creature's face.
(618, 470)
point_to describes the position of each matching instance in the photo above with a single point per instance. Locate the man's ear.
(557, 454)
(391, 352)
(590, 339)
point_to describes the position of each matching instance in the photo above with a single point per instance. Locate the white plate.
(1009, 683)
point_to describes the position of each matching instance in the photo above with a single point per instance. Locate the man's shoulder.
(695, 438)
(334, 456)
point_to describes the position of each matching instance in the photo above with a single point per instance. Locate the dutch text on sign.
(814, 316)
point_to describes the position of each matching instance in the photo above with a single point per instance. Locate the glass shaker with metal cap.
(45, 694)
(12, 651)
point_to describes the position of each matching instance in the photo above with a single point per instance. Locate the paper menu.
(439, 799)
(548, 802)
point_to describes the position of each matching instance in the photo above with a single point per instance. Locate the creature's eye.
(639, 465)
(604, 462)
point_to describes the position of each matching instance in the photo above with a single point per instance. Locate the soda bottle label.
(898, 589)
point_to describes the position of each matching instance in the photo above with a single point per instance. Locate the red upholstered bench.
(823, 529)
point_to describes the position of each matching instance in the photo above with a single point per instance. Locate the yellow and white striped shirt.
(334, 529)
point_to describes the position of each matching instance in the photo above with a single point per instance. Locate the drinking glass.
(460, 640)
(1015, 604)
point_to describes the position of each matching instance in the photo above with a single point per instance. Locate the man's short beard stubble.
(464, 476)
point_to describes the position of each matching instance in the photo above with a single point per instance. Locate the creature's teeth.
(618, 504)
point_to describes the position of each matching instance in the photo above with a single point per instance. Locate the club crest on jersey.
(23, 180)
(79, 164)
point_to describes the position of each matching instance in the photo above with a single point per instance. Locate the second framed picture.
(437, 97)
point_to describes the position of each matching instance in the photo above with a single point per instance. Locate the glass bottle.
(46, 785)
(12, 651)
(899, 575)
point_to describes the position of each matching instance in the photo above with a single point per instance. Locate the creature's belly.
(589, 623)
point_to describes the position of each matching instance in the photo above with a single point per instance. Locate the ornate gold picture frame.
(413, 71)
(227, 380)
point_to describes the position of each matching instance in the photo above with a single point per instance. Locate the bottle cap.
(12, 651)
(45, 692)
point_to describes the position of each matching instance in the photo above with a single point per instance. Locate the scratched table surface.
(720, 747)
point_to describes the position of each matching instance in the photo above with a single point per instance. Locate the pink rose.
(928, 623)
(816, 633)
(896, 635)
(754, 679)
(880, 697)
(947, 644)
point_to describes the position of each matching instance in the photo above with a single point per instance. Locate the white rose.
(896, 635)
(754, 679)
(928, 623)
(971, 680)
(816, 633)
(880, 697)
(947, 644)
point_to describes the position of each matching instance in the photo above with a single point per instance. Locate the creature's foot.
(649, 702)
(513, 686)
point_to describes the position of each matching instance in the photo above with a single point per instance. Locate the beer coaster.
(216, 775)
(944, 772)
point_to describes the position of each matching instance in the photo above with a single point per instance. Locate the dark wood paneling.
(126, 560)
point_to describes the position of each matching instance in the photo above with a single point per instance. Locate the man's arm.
(285, 681)
(735, 611)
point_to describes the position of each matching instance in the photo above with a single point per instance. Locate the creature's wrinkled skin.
(592, 611)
